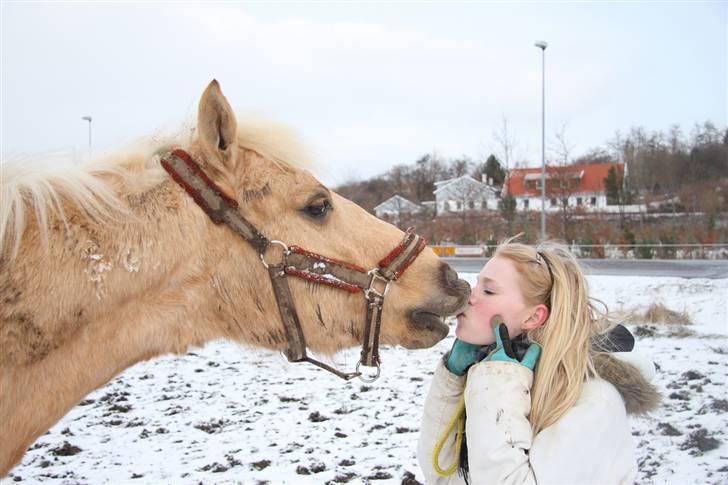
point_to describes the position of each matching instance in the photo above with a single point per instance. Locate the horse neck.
(99, 312)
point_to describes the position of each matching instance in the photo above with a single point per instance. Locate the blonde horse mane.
(25, 189)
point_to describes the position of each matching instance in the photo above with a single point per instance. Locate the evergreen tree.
(493, 170)
(508, 210)
(613, 186)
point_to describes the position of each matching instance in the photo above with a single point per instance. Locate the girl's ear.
(538, 317)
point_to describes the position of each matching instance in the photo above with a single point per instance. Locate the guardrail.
(612, 251)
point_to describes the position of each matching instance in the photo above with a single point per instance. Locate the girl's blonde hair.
(551, 275)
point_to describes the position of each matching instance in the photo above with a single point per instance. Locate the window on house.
(458, 205)
(593, 201)
(525, 203)
(471, 204)
(553, 202)
(578, 201)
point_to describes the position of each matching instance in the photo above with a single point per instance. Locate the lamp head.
(541, 44)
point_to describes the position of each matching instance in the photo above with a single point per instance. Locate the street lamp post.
(542, 45)
(88, 118)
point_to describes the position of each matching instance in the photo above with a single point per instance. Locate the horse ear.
(217, 127)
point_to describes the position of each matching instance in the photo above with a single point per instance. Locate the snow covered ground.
(223, 414)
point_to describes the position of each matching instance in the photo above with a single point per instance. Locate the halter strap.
(299, 262)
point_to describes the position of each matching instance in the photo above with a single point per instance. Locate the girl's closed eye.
(488, 292)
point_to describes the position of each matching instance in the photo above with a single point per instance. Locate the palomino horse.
(120, 265)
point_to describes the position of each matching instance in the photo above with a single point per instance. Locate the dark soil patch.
(344, 477)
(317, 467)
(409, 479)
(317, 417)
(645, 331)
(668, 430)
(120, 408)
(214, 468)
(66, 449)
(212, 427)
(699, 439)
(343, 410)
(260, 465)
(682, 396)
(720, 405)
(380, 475)
(691, 375)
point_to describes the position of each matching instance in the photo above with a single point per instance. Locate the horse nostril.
(452, 282)
(450, 276)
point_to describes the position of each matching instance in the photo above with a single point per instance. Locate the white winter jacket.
(590, 444)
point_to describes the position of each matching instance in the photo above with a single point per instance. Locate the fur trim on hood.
(639, 395)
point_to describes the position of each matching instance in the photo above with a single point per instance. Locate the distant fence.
(609, 251)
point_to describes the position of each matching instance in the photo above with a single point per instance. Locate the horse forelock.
(92, 187)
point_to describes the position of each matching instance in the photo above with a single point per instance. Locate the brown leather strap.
(370, 344)
(299, 262)
(296, 351)
(399, 260)
(391, 268)
(216, 204)
(331, 272)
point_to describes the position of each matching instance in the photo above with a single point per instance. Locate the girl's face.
(497, 293)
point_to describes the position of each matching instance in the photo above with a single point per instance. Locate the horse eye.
(318, 209)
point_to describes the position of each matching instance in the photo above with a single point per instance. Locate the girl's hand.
(461, 357)
(504, 351)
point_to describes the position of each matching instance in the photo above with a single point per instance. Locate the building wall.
(451, 199)
(590, 201)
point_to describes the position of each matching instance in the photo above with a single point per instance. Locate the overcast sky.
(367, 85)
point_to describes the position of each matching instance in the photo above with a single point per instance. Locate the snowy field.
(223, 414)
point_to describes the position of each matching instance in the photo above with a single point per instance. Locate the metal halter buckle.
(286, 252)
(368, 380)
(376, 276)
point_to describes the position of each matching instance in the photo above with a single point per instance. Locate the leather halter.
(296, 261)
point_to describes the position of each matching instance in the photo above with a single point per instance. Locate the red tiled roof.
(590, 178)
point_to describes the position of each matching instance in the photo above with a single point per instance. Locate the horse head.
(287, 203)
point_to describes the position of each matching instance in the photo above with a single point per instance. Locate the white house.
(463, 194)
(395, 207)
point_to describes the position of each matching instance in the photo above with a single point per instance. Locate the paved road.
(634, 267)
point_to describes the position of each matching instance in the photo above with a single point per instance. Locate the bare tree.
(506, 142)
(468, 201)
(461, 166)
(564, 179)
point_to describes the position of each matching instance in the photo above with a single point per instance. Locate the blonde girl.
(537, 386)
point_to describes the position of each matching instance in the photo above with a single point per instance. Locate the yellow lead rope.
(458, 418)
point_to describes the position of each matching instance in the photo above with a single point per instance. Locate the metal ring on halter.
(368, 380)
(374, 274)
(286, 251)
